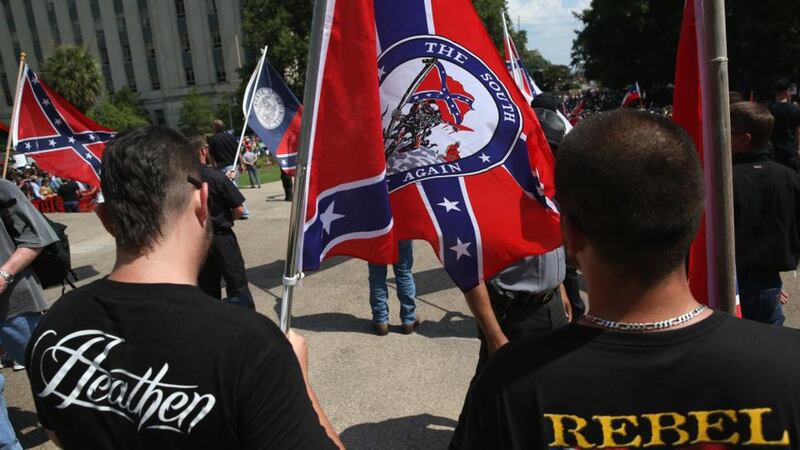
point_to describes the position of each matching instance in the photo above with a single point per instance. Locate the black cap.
(552, 125)
(782, 85)
(546, 100)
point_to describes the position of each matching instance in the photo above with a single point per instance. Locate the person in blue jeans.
(22, 237)
(406, 292)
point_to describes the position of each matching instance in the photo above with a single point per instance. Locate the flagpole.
(14, 113)
(292, 273)
(717, 143)
(250, 106)
(511, 57)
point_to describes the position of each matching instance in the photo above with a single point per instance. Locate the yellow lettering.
(560, 431)
(704, 424)
(609, 430)
(757, 437)
(657, 429)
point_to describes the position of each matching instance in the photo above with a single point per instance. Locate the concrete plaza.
(392, 392)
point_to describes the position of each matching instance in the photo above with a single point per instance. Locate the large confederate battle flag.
(430, 142)
(55, 134)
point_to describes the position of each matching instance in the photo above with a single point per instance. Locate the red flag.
(55, 134)
(440, 123)
(687, 111)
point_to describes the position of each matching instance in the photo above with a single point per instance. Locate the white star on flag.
(58, 121)
(46, 102)
(461, 249)
(91, 137)
(381, 72)
(328, 217)
(89, 155)
(484, 157)
(71, 140)
(449, 205)
(27, 146)
(52, 143)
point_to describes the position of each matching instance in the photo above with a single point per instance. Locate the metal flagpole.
(14, 113)
(292, 273)
(250, 106)
(717, 153)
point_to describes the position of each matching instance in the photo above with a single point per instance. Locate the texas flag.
(432, 141)
(55, 134)
(274, 115)
(632, 95)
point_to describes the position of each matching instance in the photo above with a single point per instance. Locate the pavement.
(397, 391)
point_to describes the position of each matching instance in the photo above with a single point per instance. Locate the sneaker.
(381, 329)
(16, 367)
(410, 327)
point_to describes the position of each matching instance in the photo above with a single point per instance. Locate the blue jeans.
(15, 332)
(760, 298)
(406, 290)
(252, 173)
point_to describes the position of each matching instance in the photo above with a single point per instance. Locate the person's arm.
(301, 350)
(481, 307)
(18, 261)
(237, 212)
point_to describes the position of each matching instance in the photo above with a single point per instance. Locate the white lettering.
(160, 405)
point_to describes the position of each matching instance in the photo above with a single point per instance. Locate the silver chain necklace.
(647, 326)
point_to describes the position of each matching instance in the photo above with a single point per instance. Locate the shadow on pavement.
(84, 272)
(430, 281)
(333, 321)
(26, 420)
(453, 324)
(413, 432)
(268, 276)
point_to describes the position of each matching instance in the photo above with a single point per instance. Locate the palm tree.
(74, 73)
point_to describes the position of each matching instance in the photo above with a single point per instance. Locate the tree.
(622, 42)
(285, 26)
(196, 114)
(229, 110)
(127, 97)
(117, 116)
(74, 73)
(557, 77)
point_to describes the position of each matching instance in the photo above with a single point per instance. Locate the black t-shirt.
(222, 197)
(69, 191)
(784, 137)
(721, 383)
(162, 366)
(223, 148)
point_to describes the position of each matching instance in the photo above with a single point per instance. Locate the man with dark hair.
(224, 260)
(786, 132)
(766, 197)
(630, 189)
(223, 147)
(142, 359)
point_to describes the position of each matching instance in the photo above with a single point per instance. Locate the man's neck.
(165, 264)
(623, 300)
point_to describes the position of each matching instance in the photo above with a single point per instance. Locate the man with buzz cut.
(143, 359)
(648, 366)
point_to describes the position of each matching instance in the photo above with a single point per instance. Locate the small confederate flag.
(448, 94)
(632, 95)
(55, 134)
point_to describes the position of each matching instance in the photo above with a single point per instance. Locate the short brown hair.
(632, 182)
(754, 119)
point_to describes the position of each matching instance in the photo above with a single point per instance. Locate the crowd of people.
(43, 189)
(144, 358)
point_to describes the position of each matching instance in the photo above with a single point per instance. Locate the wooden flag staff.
(14, 113)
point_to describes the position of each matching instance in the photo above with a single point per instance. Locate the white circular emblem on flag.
(269, 108)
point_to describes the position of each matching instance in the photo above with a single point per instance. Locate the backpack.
(53, 266)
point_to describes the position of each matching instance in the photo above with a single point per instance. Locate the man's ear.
(574, 237)
(105, 218)
(201, 204)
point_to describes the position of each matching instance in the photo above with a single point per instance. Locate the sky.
(550, 25)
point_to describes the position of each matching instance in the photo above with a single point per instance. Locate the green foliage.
(196, 114)
(622, 42)
(557, 77)
(127, 97)
(229, 110)
(74, 73)
(118, 116)
(285, 26)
